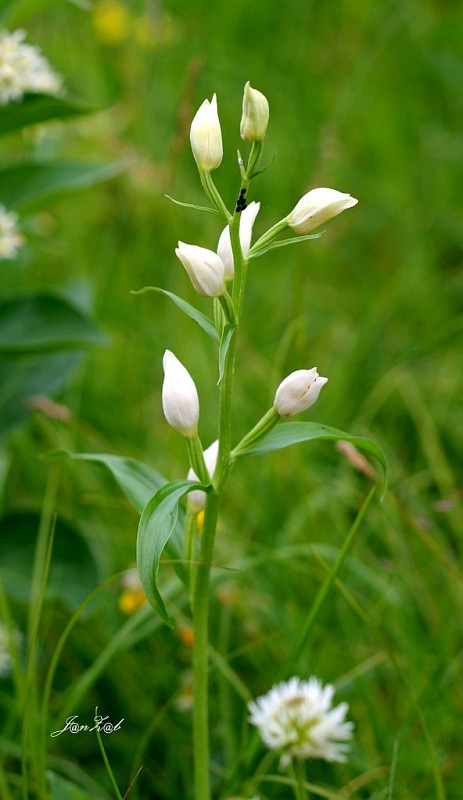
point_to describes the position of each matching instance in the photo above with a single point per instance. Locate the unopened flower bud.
(196, 500)
(298, 392)
(206, 136)
(255, 115)
(205, 268)
(224, 248)
(179, 396)
(316, 207)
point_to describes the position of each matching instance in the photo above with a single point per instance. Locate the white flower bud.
(206, 136)
(179, 396)
(224, 248)
(316, 207)
(205, 268)
(298, 392)
(196, 500)
(254, 120)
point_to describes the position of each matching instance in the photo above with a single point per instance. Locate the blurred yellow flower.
(132, 596)
(112, 21)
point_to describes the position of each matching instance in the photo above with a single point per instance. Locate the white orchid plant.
(165, 523)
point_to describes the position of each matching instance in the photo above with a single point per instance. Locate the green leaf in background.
(28, 183)
(288, 433)
(40, 108)
(155, 528)
(204, 322)
(139, 482)
(25, 376)
(73, 572)
(62, 789)
(44, 322)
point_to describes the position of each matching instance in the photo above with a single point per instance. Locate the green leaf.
(73, 571)
(283, 243)
(139, 482)
(288, 433)
(25, 376)
(44, 322)
(155, 528)
(224, 345)
(62, 789)
(29, 183)
(36, 108)
(197, 316)
(196, 208)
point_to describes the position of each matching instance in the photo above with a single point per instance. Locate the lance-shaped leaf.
(288, 433)
(31, 183)
(197, 316)
(156, 525)
(36, 108)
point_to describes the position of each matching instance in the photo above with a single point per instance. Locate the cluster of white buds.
(210, 271)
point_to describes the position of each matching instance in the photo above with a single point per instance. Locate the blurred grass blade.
(392, 771)
(29, 183)
(34, 109)
(16, 11)
(62, 789)
(44, 322)
(288, 433)
(106, 760)
(197, 316)
(155, 528)
(325, 589)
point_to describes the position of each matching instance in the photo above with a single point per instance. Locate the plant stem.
(200, 651)
(298, 770)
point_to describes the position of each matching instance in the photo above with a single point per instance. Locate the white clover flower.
(5, 657)
(206, 136)
(180, 400)
(224, 248)
(196, 500)
(297, 717)
(23, 69)
(205, 268)
(10, 238)
(298, 392)
(317, 207)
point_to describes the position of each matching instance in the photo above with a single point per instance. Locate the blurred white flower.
(206, 136)
(298, 392)
(180, 400)
(196, 500)
(23, 69)
(317, 207)
(224, 248)
(5, 656)
(297, 717)
(10, 238)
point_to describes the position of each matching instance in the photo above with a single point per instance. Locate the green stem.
(196, 457)
(214, 195)
(254, 159)
(298, 770)
(268, 237)
(200, 651)
(189, 542)
(265, 424)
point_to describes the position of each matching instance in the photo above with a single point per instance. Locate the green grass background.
(366, 97)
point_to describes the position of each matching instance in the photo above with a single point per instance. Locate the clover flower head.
(297, 717)
(10, 238)
(23, 69)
